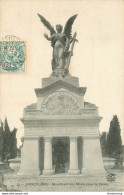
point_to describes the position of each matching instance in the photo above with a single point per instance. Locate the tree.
(1, 141)
(114, 142)
(103, 141)
(8, 142)
(13, 143)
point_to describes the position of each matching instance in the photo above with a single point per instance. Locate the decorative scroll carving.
(60, 103)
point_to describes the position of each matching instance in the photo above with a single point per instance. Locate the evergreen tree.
(1, 142)
(13, 143)
(114, 142)
(103, 141)
(8, 142)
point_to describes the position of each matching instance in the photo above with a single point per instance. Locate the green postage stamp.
(12, 56)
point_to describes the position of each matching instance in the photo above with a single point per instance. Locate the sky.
(98, 58)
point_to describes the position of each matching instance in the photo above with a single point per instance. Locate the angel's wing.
(68, 26)
(47, 24)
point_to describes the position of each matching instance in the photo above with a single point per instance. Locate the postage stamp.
(12, 55)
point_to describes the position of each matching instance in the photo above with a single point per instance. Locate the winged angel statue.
(61, 43)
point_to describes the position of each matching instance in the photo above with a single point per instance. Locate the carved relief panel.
(60, 103)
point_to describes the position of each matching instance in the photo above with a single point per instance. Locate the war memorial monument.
(61, 130)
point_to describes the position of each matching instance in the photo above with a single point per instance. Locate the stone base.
(29, 173)
(93, 172)
(73, 172)
(48, 172)
(71, 80)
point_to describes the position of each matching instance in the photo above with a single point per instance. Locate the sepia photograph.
(62, 96)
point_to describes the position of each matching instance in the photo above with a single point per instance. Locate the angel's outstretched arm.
(49, 38)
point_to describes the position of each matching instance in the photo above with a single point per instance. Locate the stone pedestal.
(48, 170)
(30, 157)
(60, 111)
(92, 157)
(73, 157)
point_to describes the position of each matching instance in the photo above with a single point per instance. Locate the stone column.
(92, 157)
(73, 157)
(30, 164)
(48, 169)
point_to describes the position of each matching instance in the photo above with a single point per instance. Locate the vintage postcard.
(61, 96)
